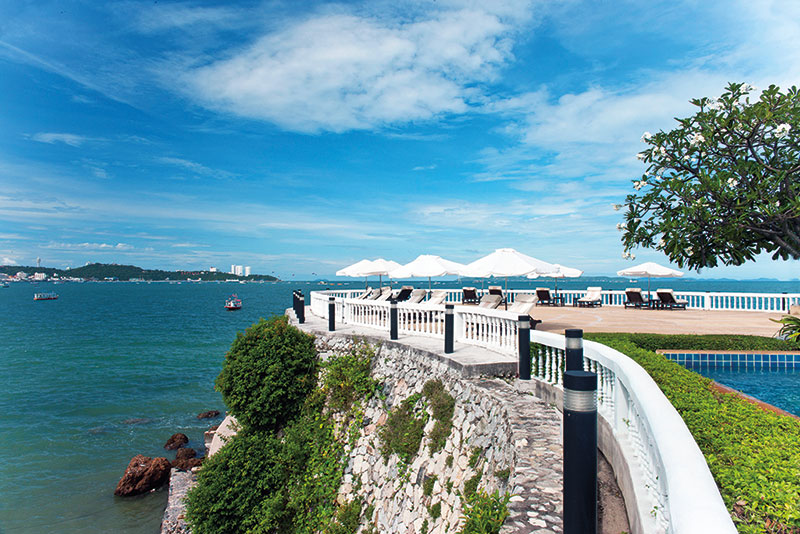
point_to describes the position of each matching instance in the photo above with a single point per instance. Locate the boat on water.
(233, 303)
(45, 296)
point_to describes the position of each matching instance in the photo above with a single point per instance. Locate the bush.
(484, 513)
(403, 431)
(442, 408)
(347, 377)
(267, 373)
(754, 455)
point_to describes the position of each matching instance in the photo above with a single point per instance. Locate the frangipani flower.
(696, 139)
(782, 130)
(646, 137)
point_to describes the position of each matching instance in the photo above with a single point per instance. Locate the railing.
(673, 490)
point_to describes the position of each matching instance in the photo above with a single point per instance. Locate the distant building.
(212, 269)
(22, 276)
(38, 262)
(39, 277)
(239, 270)
(247, 270)
(233, 269)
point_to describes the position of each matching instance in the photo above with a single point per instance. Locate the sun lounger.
(373, 294)
(470, 295)
(523, 304)
(497, 290)
(668, 300)
(417, 296)
(366, 294)
(490, 301)
(386, 294)
(438, 296)
(545, 299)
(593, 298)
(635, 299)
(403, 293)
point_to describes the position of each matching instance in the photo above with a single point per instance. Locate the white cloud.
(194, 167)
(424, 168)
(66, 138)
(339, 71)
(89, 246)
(5, 260)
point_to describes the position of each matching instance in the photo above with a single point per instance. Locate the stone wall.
(512, 431)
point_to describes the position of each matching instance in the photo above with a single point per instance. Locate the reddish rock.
(185, 453)
(176, 441)
(142, 475)
(208, 415)
(187, 463)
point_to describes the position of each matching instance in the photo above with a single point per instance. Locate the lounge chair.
(373, 294)
(490, 301)
(523, 304)
(470, 295)
(417, 296)
(668, 300)
(635, 299)
(386, 293)
(545, 299)
(497, 290)
(403, 293)
(593, 298)
(438, 296)
(366, 294)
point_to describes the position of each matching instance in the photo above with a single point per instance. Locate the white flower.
(696, 138)
(686, 157)
(620, 227)
(689, 251)
(733, 182)
(637, 220)
(714, 105)
(646, 137)
(640, 156)
(748, 88)
(639, 185)
(616, 206)
(662, 243)
(632, 256)
(662, 151)
(782, 130)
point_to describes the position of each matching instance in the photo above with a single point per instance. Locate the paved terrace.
(616, 319)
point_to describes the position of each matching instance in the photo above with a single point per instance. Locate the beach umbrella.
(505, 262)
(356, 270)
(427, 265)
(380, 268)
(559, 272)
(649, 269)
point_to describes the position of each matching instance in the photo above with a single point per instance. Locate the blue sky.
(300, 137)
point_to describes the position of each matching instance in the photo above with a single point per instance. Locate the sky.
(301, 137)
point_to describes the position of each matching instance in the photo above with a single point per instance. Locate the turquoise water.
(111, 370)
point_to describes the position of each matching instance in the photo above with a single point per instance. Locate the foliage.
(403, 431)
(267, 373)
(655, 342)
(347, 377)
(754, 455)
(449, 461)
(427, 485)
(347, 519)
(484, 513)
(126, 272)
(503, 474)
(471, 486)
(791, 327)
(475, 457)
(725, 185)
(442, 406)
(435, 510)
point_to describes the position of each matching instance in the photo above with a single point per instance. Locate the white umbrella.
(427, 265)
(380, 267)
(506, 262)
(356, 270)
(649, 269)
(559, 272)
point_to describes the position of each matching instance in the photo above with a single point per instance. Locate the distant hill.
(101, 271)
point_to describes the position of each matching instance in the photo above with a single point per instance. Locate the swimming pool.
(772, 377)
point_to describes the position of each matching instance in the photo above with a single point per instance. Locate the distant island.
(125, 273)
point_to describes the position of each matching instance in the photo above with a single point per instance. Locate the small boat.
(45, 296)
(5, 284)
(233, 303)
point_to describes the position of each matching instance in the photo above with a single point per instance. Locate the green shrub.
(347, 519)
(347, 377)
(471, 485)
(435, 510)
(403, 431)
(427, 485)
(475, 457)
(267, 374)
(754, 455)
(449, 461)
(484, 513)
(442, 408)
(503, 474)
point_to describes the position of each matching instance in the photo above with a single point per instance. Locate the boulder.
(208, 415)
(176, 441)
(185, 459)
(142, 475)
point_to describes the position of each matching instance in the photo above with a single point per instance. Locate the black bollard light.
(301, 308)
(574, 346)
(449, 328)
(393, 319)
(524, 330)
(580, 452)
(331, 314)
(294, 301)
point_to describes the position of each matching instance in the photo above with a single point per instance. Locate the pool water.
(777, 386)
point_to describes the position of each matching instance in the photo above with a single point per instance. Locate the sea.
(113, 369)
